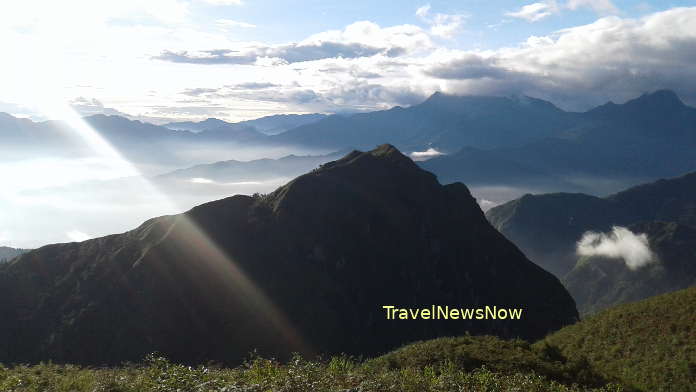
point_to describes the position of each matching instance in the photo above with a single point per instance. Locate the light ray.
(210, 253)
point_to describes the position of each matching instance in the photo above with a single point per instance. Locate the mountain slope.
(306, 268)
(546, 227)
(647, 344)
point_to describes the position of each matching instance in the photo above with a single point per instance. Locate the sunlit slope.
(649, 344)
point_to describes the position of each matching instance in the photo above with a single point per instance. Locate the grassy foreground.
(644, 346)
(261, 375)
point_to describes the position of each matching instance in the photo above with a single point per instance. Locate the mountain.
(268, 125)
(306, 268)
(599, 282)
(279, 123)
(546, 227)
(254, 170)
(599, 151)
(648, 345)
(7, 253)
(197, 126)
(445, 122)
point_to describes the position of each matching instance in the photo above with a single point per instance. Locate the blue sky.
(486, 25)
(160, 60)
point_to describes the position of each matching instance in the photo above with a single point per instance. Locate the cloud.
(223, 2)
(198, 91)
(611, 59)
(535, 12)
(441, 25)
(486, 204)
(228, 23)
(77, 236)
(91, 106)
(468, 66)
(425, 155)
(599, 6)
(253, 86)
(620, 243)
(360, 39)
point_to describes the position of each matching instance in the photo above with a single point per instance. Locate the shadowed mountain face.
(597, 282)
(306, 268)
(547, 227)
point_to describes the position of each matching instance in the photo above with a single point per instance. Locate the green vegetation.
(257, 375)
(644, 346)
(501, 356)
(649, 345)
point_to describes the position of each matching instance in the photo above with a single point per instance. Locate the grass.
(649, 345)
(645, 346)
(262, 375)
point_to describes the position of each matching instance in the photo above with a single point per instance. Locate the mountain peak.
(662, 99)
(385, 153)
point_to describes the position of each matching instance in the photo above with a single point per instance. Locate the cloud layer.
(360, 39)
(620, 243)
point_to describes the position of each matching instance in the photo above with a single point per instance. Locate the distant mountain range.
(254, 170)
(7, 253)
(515, 141)
(445, 122)
(547, 228)
(306, 268)
(268, 125)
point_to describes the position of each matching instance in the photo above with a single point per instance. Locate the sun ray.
(210, 253)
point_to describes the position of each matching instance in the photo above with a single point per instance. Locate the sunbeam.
(224, 267)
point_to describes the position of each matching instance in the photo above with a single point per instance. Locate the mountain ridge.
(305, 268)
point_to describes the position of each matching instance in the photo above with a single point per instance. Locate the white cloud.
(441, 25)
(620, 243)
(359, 39)
(425, 155)
(228, 23)
(486, 204)
(611, 59)
(201, 180)
(599, 6)
(77, 236)
(535, 12)
(223, 2)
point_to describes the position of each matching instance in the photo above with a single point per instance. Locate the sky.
(163, 60)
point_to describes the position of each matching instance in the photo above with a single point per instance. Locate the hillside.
(649, 344)
(306, 268)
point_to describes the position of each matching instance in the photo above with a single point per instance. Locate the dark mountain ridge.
(306, 268)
